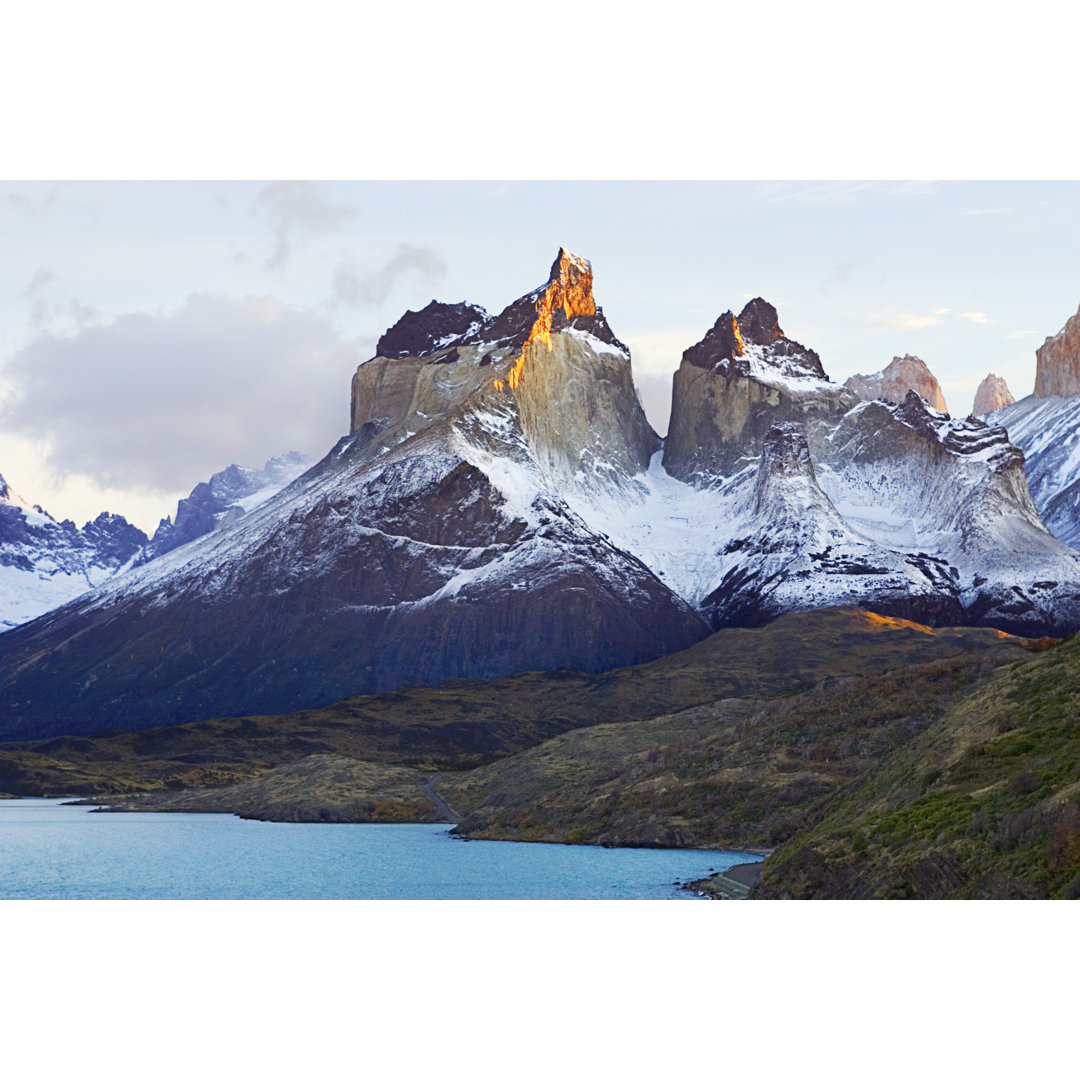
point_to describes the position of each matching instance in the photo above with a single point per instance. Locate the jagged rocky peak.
(571, 383)
(222, 500)
(754, 344)
(929, 432)
(549, 362)
(734, 385)
(564, 301)
(45, 562)
(993, 394)
(904, 373)
(1057, 362)
(431, 329)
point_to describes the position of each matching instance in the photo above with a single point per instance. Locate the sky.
(155, 332)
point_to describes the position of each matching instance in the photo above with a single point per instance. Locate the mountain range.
(501, 504)
(45, 563)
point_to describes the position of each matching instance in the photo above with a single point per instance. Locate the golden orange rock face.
(888, 622)
(569, 289)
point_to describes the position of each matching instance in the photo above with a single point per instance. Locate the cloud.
(356, 287)
(36, 205)
(47, 311)
(975, 316)
(296, 208)
(940, 311)
(161, 401)
(907, 321)
(43, 277)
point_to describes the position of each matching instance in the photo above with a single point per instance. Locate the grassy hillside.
(321, 787)
(984, 803)
(737, 773)
(466, 723)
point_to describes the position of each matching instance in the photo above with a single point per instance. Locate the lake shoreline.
(57, 850)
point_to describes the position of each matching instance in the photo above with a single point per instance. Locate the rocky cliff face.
(904, 373)
(550, 357)
(1057, 362)
(993, 394)
(734, 385)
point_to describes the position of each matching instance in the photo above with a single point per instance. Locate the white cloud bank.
(161, 401)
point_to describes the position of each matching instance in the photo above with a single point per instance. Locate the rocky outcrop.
(549, 359)
(993, 394)
(1057, 362)
(904, 373)
(734, 385)
(420, 333)
(731, 343)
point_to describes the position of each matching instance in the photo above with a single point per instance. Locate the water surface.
(52, 851)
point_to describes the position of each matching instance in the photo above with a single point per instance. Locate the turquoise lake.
(52, 851)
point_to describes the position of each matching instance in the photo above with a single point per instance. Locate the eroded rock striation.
(892, 384)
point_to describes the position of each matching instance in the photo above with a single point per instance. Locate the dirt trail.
(429, 790)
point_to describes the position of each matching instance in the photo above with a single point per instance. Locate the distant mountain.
(45, 563)
(904, 373)
(225, 498)
(502, 505)
(993, 394)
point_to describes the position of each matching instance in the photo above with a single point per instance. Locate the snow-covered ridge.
(773, 368)
(225, 498)
(45, 563)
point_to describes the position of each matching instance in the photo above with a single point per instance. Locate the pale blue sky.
(120, 366)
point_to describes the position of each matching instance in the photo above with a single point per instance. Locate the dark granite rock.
(435, 327)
